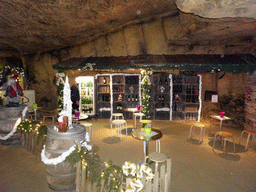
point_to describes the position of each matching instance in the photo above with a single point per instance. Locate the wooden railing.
(30, 143)
(160, 183)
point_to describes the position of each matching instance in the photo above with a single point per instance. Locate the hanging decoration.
(7, 68)
(145, 87)
(60, 86)
(63, 156)
(162, 89)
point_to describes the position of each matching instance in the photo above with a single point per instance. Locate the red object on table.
(138, 107)
(221, 114)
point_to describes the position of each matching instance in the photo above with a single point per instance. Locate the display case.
(86, 90)
(103, 95)
(117, 92)
(160, 96)
(186, 97)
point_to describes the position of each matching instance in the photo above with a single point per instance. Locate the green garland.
(145, 88)
(6, 69)
(27, 126)
(99, 172)
(235, 68)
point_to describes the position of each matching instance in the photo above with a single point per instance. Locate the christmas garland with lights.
(7, 68)
(145, 88)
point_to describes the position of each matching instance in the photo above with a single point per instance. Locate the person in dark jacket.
(75, 98)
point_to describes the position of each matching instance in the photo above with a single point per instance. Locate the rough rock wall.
(169, 35)
(41, 78)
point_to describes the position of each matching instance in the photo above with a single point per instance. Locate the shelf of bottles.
(161, 96)
(86, 89)
(118, 88)
(103, 95)
(132, 91)
(185, 103)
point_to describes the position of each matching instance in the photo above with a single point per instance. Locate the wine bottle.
(129, 80)
(163, 98)
(160, 81)
(159, 98)
(136, 98)
(166, 81)
(129, 98)
(132, 98)
(104, 80)
(134, 80)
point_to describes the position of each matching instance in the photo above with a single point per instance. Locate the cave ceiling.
(37, 26)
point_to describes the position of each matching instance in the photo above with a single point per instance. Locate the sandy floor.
(195, 167)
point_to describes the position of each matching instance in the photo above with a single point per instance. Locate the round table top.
(136, 135)
(81, 117)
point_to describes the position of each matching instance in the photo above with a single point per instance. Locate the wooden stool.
(224, 136)
(89, 125)
(148, 122)
(140, 115)
(202, 131)
(118, 123)
(250, 133)
(157, 158)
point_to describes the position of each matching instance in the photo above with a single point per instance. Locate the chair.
(202, 131)
(250, 133)
(224, 135)
(90, 126)
(49, 114)
(140, 115)
(157, 158)
(118, 123)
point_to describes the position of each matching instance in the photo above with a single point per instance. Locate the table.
(220, 119)
(136, 134)
(80, 118)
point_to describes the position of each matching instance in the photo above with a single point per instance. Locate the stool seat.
(199, 125)
(117, 114)
(250, 133)
(118, 122)
(157, 157)
(139, 114)
(225, 135)
(146, 121)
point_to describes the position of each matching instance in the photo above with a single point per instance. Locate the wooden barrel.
(61, 177)
(8, 118)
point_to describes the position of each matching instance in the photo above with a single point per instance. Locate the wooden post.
(78, 173)
(83, 174)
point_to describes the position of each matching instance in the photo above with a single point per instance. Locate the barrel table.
(61, 177)
(8, 118)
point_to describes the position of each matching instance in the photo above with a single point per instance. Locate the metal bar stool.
(157, 158)
(250, 133)
(148, 122)
(224, 136)
(202, 131)
(140, 115)
(118, 123)
(116, 116)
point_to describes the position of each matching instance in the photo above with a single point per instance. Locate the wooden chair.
(49, 114)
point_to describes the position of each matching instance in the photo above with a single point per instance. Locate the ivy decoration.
(145, 88)
(27, 126)
(7, 68)
(60, 87)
